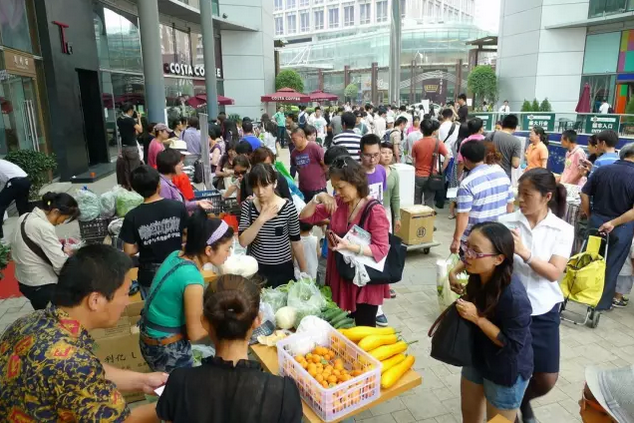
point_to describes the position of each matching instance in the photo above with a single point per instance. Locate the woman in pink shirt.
(573, 172)
(158, 143)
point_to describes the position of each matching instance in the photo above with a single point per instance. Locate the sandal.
(451, 217)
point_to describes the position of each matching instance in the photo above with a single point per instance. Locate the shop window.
(168, 43)
(183, 47)
(602, 53)
(601, 87)
(14, 25)
(381, 11)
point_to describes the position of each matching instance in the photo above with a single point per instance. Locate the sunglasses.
(241, 173)
(470, 253)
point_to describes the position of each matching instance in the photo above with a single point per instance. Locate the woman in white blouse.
(36, 250)
(543, 242)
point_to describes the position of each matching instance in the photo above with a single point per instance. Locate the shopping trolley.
(585, 277)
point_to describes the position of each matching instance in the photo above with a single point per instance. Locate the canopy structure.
(200, 99)
(322, 96)
(285, 95)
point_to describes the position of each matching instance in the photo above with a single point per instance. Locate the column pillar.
(152, 60)
(411, 82)
(320, 79)
(209, 57)
(458, 78)
(374, 82)
(346, 76)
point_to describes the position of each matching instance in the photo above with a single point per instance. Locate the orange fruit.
(324, 384)
(305, 364)
(308, 356)
(312, 371)
(299, 358)
(332, 379)
(319, 377)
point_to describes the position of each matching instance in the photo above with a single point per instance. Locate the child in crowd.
(575, 157)
(310, 244)
(624, 281)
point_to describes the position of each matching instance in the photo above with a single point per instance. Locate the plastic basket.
(214, 197)
(231, 206)
(332, 403)
(94, 231)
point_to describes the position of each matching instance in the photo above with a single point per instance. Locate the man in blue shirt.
(247, 131)
(612, 190)
(606, 146)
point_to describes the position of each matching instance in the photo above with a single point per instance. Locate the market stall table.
(267, 356)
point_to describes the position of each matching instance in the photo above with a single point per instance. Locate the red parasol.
(583, 106)
(285, 95)
(201, 99)
(322, 96)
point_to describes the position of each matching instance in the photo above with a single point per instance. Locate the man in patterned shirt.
(48, 371)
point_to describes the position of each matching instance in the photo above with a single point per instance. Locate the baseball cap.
(161, 127)
(614, 390)
(181, 146)
(390, 119)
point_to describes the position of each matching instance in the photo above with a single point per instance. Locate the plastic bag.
(108, 201)
(304, 296)
(89, 205)
(126, 201)
(299, 203)
(275, 298)
(266, 313)
(445, 295)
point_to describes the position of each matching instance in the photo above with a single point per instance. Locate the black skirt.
(278, 274)
(545, 332)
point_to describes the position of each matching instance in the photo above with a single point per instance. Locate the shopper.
(507, 144)
(311, 250)
(336, 122)
(169, 163)
(392, 197)
(624, 281)
(370, 157)
(484, 194)
(463, 109)
(229, 387)
(280, 120)
(496, 303)
(16, 187)
(380, 124)
(48, 368)
(543, 242)
(247, 135)
(610, 193)
(350, 182)
(413, 134)
(158, 144)
(173, 308)
(191, 135)
(177, 127)
(154, 229)
(240, 169)
(264, 155)
(302, 117)
(225, 165)
(397, 137)
(537, 151)
(348, 138)
(575, 157)
(455, 169)
(231, 133)
(319, 122)
(425, 160)
(129, 125)
(360, 127)
(606, 148)
(308, 158)
(269, 223)
(217, 147)
(36, 249)
(505, 109)
(270, 138)
(604, 109)
(448, 131)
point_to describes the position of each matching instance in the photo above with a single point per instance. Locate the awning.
(200, 99)
(285, 95)
(322, 96)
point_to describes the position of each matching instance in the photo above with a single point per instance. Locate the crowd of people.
(515, 256)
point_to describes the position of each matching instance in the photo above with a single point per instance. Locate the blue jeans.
(501, 397)
(165, 358)
(618, 251)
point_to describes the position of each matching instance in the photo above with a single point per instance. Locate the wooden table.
(268, 357)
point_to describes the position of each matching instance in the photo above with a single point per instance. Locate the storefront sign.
(18, 63)
(184, 69)
(487, 120)
(599, 123)
(545, 120)
(67, 48)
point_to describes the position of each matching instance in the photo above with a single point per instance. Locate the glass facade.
(601, 53)
(14, 25)
(609, 7)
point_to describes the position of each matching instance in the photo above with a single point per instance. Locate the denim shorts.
(500, 396)
(165, 358)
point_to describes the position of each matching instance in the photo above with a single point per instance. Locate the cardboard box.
(417, 225)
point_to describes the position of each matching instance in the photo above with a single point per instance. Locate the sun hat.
(181, 146)
(614, 390)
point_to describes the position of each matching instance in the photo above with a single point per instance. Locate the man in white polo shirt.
(16, 186)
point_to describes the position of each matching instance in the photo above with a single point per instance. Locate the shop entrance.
(94, 129)
(20, 127)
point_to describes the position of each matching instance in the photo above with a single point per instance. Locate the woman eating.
(169, 164)
(269, 227)
(350, 182)
(537, 152)
(392, 196)
(497, 304)
(36, 250)
(173, 308)
(241, 166)
(543, 242)
(229, 387)
(224, 169)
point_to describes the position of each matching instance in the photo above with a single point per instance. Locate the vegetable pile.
(384, 345)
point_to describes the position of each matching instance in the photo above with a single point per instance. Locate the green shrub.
(526, 106)
(37, 165)
(545, 106)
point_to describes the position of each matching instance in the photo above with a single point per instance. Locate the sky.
(487, 15)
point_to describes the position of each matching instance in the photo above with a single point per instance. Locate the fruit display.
(383, 344)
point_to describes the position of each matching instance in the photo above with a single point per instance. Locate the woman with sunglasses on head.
(174, 306)
(543, 242)
(269, 227)
(36, 250)
(497, 304)
(344, 210)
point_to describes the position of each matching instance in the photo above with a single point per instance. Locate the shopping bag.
(452, 338)
(584, 278)
(445, 295)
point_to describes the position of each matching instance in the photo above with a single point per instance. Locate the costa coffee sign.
(183, 69)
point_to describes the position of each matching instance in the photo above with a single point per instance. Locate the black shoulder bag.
(436, 181)
(452, 338)
(394, 262)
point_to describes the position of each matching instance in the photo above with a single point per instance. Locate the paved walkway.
(438, 399)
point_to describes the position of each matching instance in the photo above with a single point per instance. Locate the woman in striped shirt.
(269, 228)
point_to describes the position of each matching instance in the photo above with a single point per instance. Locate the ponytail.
(558, 203)
(539, 131)
(544, 181)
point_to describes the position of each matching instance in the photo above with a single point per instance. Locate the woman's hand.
(520, 249)
(455, 284)
(607, 227)
(328, 201)
(269, 212)
(205, 204)
(467, 311)
(397, 226)
(342, 244)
